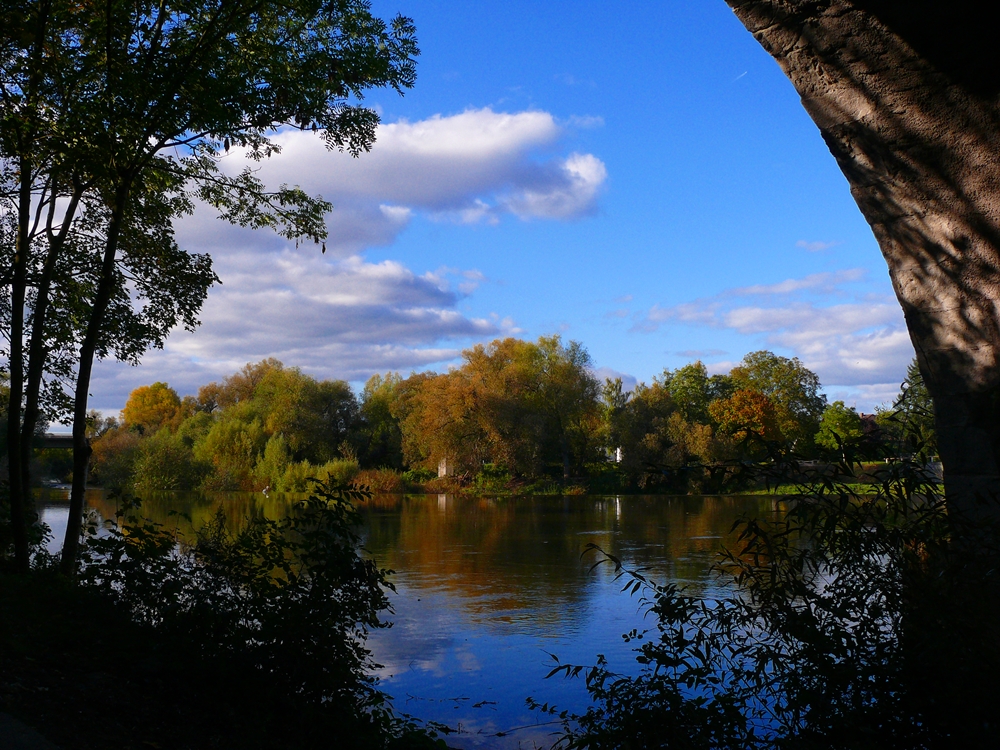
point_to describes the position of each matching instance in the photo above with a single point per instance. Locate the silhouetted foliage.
(854, 622)
(287, 603)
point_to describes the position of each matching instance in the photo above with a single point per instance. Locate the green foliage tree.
(791, 387)
(568, 393)
(839, 426)
(163, 461)
(232, 446)
(381, 436)
(908, 426)
(265, 426)
(614, 402)
(316, 417)
(132, 107)
(641, 427)
(690, 389)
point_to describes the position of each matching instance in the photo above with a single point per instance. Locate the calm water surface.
(489, 589)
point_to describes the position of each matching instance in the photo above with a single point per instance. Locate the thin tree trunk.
(917, 137)
(37, 350)
(19, 501)
(81, 445)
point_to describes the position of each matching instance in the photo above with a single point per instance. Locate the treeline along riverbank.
(516, 416)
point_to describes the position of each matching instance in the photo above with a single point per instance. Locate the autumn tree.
(518, 404)
(748, 413)
(438, 421)
(150, 407)
(792, 389)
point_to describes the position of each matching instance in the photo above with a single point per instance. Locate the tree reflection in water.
(488, 587)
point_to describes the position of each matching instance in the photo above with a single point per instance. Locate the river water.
(489, 589)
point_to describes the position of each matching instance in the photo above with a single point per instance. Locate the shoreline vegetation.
(517, 417)
(249, 635)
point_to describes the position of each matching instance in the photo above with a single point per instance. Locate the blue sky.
(639, 177)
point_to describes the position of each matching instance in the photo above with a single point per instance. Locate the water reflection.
(488, 587)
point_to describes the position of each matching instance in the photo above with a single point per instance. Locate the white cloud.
(853, 341)
(865, 397)
(337, 315)
(629, 382)
(566, 192)
(476, 166)
(823, 282)
(343, 318)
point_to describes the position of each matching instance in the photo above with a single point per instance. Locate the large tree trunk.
(905, 96)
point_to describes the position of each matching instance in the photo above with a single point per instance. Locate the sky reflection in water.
(488, 588)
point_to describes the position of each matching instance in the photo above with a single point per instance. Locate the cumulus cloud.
(851, 340)
(344, 318)
(475, 166)
(338, 315)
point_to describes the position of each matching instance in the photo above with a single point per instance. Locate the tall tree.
(195, 81)
(906, 98)
(689, 387)
(569, 394)
(162, 90)
(382, 440)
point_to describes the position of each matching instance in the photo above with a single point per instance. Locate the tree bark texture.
(905, 96)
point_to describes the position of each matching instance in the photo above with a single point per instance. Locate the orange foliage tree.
(746, 411)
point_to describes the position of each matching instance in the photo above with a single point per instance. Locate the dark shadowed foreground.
(857, 621)
(246, 639)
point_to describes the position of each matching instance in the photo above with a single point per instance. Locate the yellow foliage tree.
(150, 407)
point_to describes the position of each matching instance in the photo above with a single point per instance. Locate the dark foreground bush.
(235, 639)
(856, 621)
